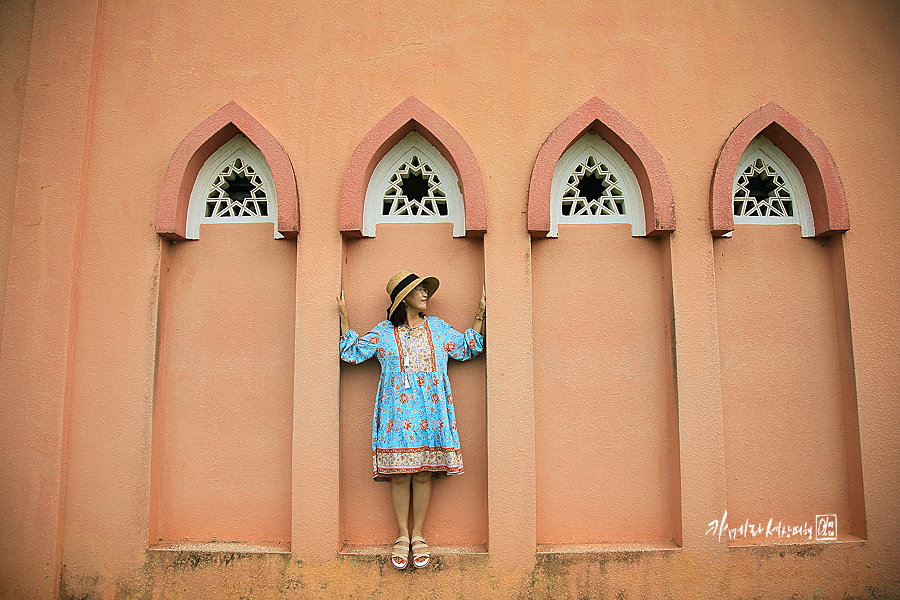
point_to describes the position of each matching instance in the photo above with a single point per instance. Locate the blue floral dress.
(414, 426)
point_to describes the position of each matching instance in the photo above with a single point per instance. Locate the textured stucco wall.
(605, 409)
(222, 435)
(785, 440)
(15, 46)
(113, 87)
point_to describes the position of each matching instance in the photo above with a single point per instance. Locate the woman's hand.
(342, 307)
(479, 315)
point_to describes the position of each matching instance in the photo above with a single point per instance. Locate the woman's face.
(417, 299)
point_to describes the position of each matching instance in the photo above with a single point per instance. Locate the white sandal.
(421, 552)
(400, 553)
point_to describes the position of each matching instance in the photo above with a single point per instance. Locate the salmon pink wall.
(781, 362)
(15, 46)
(43, 240)
(222, 422)
(605, 407)
(109, 90)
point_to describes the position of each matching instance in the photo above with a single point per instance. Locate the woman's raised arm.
(345, 320)
(479, 314)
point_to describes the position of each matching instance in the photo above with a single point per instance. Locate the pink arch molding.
(620, 133)
(806, 151)
(412, 115)
(199, 145)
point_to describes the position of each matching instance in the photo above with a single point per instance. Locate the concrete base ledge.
(221, 547)
(794, 546)
(611, 547)
(374, 551)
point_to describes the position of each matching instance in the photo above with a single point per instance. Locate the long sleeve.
(355, 349)
(463, 346)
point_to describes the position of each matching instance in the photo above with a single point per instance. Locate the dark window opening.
(592, 186)
(761, 186)
(415, 187)
(238, 189)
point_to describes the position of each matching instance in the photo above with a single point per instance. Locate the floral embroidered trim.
(431, 344)
(414, 460)
(420, 360)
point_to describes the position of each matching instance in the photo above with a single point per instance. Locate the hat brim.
(431, 286)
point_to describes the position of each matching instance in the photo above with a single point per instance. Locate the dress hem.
(437, 472)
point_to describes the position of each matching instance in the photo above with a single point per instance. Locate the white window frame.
(591, 144)
(762, 148)
(413, 144)
(237, 147)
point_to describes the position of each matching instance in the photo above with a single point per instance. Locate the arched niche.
(412, 115)
(628, 141)
(807, 152)
(785, 334)
(430, 246)
(224, 360)
(199, 145)
(608, 380)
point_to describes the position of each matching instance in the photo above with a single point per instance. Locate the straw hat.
(403, 283)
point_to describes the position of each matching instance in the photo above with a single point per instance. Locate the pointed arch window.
(235, 185)
(414, 183)
(768, 189)
(592, 183)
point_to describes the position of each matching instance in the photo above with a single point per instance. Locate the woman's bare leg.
(400, 498)
(421, 498)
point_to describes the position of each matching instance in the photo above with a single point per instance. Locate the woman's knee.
(401, 479)
(422, 477)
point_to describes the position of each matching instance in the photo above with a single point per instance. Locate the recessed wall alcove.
(400, 175)
(792, 447)
(606, 414)
(223, 403)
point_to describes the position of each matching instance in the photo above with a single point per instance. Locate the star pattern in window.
(414, 190)
(237, 192)
(762, 192)
(592, 190)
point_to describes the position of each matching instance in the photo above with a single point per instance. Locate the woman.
(414, 433)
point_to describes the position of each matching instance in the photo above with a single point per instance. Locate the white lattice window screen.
(234, 186)
(762, 192)
(592, 190)
(768, 189)
(237, 192)
(592, 183)
(413, 183)
(414, 190)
